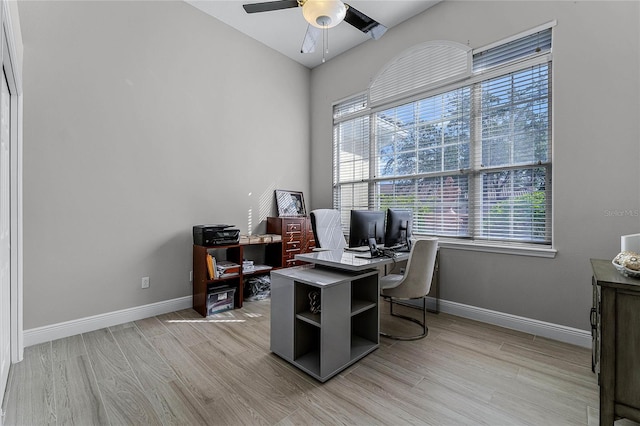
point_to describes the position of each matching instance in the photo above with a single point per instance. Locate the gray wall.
(142, 119)
(596, 149)
(14, 15)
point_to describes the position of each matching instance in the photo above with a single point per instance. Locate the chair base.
(423, 324)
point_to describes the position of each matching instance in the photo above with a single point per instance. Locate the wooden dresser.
(297, 238)
(615, 325)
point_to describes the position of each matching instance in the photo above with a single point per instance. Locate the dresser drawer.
(292, 246)
(293, 226)
(293, 237)
(288, 263)
(311, 244)
(290, 252)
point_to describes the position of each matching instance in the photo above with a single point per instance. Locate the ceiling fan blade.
(310, 39)
(269, 6)
(364, 23)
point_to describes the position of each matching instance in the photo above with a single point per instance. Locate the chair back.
(419, 273)
(327, 229)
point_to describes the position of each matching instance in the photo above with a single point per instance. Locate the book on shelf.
(211, 267)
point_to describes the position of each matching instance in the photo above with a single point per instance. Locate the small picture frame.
(290, 203)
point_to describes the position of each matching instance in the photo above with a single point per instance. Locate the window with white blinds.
(472, 161)
(422, 151)
(515, 157)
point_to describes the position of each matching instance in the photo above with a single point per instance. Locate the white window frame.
(505, 247)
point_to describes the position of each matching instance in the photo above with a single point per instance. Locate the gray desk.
(349, 261)
(347, 328)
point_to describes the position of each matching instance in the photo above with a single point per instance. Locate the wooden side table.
(615, 323)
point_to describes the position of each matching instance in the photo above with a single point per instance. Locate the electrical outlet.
(190, 276)
(145, 282)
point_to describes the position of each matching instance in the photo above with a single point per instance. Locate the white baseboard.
(46, 333)
(561, 333)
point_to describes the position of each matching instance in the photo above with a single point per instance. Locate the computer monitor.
(366, 224)
(398, 229)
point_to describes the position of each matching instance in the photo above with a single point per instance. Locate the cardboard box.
(275, 238)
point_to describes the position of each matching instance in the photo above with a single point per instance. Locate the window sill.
(502, 248)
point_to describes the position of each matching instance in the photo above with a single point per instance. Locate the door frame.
(13, 71)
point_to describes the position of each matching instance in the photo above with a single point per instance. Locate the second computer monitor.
(366, 224)
(398, 229)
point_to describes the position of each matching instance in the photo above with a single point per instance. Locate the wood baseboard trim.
(548, 330)
(46, 333)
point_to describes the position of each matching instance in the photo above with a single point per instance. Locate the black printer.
(215, 235)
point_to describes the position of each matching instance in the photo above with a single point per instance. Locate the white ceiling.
(284, 30)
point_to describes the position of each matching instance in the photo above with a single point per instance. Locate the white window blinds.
(422, 150)
(423, 66)
(351, 157)
(524, 47)
(515, 156)
(471, 162)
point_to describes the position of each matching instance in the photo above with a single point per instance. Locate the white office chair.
(327, 229)
(414, 284)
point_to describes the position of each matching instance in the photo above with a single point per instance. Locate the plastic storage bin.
(220, 300)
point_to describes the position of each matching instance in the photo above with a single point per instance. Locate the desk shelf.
(345, 330)
(257, 272)
(361, 347)
(313, 319)
(359, 306)
(310, 363)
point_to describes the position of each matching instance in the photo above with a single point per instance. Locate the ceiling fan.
(321, 15)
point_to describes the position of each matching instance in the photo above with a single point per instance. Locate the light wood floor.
(182, 369)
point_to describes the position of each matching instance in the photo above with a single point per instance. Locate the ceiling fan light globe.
(324, 13)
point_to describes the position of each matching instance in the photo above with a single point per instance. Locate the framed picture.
(290, 203)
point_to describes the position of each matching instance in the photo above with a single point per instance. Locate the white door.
(5, 248)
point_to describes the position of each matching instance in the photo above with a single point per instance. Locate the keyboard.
(362, 249)
(365, 249)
